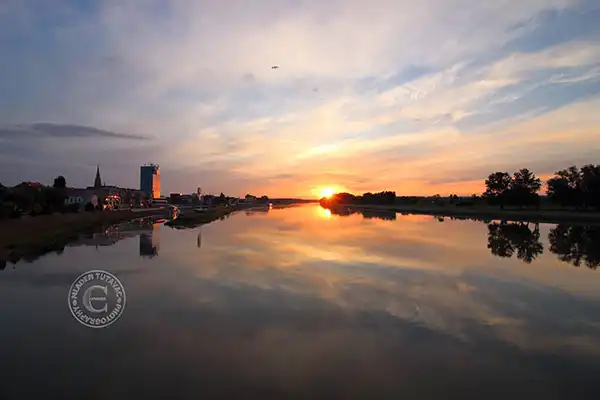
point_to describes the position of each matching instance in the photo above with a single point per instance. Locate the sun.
(327, 192)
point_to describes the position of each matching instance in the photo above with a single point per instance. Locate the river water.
(301, 303)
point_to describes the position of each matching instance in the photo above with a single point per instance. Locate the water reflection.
(292, 304)
(145, 228)
(504, 239)
(576, 244)
(150, 242)
(366, 214)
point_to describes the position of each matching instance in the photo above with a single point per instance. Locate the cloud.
(424, 83)
(61, 131)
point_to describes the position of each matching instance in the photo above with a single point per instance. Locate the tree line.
(385, 197)
(571, 187)
(575, 187)
(578, 187)
(34, 199)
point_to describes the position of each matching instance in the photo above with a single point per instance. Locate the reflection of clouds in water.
(269, 337)
(456, 306)
(367, 308)
(413, 269)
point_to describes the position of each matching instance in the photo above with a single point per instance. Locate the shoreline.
(191, 219)
(525, 215)
(43, 233)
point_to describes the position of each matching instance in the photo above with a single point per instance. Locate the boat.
(174, 212)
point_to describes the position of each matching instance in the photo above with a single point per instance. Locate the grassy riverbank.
(43, 233)
(488, 212)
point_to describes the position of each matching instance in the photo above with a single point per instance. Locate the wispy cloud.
(383, 94)
(47, 130)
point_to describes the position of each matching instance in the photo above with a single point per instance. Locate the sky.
(420, 97)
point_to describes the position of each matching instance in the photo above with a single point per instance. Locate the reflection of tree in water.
(504, 239)
(576, 244)
(367, 214)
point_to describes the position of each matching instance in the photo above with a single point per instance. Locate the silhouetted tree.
(576, 244)
(576, 187)
(54, 199)
(565, 187)
(590, 185)
(523, 188)
(60, 182)
(385, 197)
(497, 186)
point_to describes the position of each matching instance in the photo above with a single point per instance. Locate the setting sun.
(327, 192)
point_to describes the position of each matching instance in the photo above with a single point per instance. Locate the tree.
(576, 187)
(497, 186)
(590, 185)
(565, 187)
(559, 191)
(54, 199)
(527, 179)
(60, 182)
(524, 187)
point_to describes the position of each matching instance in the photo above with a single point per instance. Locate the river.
(301, 303)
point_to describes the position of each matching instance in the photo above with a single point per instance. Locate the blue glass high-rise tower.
(150, 180)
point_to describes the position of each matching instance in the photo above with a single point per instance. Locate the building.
(30, 184)
(78, 196)
(150, 180)
(97, 180)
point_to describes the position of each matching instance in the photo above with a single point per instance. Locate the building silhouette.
(150, 180)
(97, 180)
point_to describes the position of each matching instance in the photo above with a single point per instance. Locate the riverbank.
(191, 219)
(555, 216)
(43, 233)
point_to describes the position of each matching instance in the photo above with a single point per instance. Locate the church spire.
(97, 181)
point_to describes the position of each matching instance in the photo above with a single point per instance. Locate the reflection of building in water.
(150, 242)
(199, 240)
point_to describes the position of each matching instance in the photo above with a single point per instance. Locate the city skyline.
(391, 95)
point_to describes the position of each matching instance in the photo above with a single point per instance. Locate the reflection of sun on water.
(324, 213)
